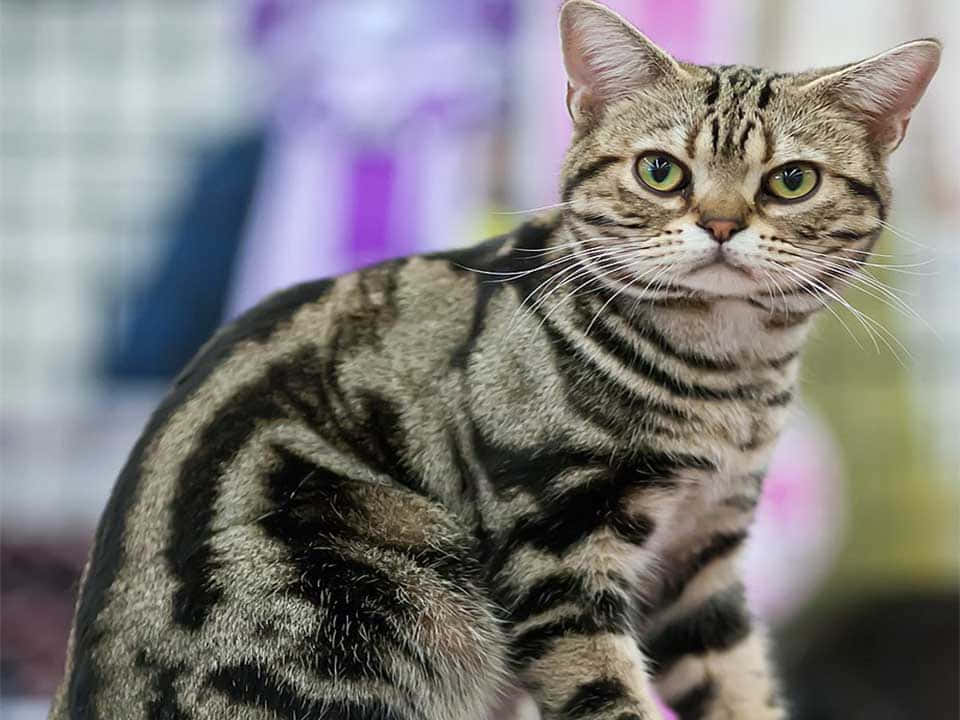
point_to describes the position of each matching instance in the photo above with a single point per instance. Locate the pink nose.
(722, 229)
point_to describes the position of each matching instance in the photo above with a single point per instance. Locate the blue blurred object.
(184, 301)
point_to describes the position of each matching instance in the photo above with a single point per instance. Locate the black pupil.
(793, 178)
(659, 168)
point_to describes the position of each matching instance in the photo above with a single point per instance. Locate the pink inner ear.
(573, 59)
(605, 57)
(895, 133)
(888, 87)
(893, 83)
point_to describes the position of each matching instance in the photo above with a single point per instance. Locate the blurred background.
(166, 163)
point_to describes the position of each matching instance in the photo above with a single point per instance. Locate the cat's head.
(727, 181)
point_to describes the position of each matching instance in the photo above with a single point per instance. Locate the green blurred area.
(902, 502)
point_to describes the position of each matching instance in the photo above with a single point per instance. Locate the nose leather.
(722, 229)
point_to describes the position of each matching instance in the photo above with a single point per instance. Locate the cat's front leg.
(573, 639)
(582, 668)
(709, 655)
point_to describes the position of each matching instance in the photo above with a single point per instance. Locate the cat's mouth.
(726, 263)
(721, 275)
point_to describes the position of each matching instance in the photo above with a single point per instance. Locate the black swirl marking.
(719, 623)
(586, 173)
(253, 685)
(596, 502)
(693, 704)
(559, 588)
(189, 553)
(325, 530)
(862, 189)
(531, 469)
(535, 643)
(107, 556)
(627, 355)
(766, 93)
(164, 705)
(594, 697)
(720, 545)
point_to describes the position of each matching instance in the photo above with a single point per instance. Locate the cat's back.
(308, 371)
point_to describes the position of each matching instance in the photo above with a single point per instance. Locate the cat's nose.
(722, 229)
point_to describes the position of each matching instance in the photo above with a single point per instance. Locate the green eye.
(661, 172)
(792, 182)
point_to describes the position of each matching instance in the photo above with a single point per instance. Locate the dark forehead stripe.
(710, 99)
(746, 134)
(766, 92)
(713, 92)
(743, 92)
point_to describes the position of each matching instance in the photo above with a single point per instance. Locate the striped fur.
(409, 492)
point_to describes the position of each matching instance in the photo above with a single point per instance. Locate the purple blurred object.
(369, 104)
(373, 176)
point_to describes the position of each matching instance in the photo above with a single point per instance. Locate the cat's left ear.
(884, 89)
(606, 58)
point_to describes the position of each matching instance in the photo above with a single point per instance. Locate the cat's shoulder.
(514, 250)
(257, 324)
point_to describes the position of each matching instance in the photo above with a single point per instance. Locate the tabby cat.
(530, 466)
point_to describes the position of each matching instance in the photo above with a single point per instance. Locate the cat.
(527, 466)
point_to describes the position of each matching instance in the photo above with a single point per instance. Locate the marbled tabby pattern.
(402, 493)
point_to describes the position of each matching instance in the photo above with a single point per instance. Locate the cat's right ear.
(883, 90)
(606, 58)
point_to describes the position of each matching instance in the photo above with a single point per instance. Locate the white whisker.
(868, 323)
(903, 235)
(532, 210)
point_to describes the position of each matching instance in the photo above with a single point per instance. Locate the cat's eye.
(661, 173)
(793, 181)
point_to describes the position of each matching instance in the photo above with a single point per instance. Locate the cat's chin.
(720, 279)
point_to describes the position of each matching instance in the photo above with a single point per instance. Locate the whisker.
(532, 210)
(517, 274)
(626, 240)
(812, 251)
(868, 323)
(827, 306)
(842, 267)
(867, 285)
(557, 278)
(610, 300)
(578, 271)
(903, 235)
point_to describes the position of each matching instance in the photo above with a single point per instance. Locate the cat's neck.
(725, 328)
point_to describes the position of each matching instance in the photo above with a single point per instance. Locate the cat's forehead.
(729, 115)
(738, 86)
